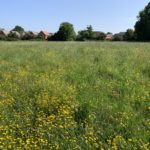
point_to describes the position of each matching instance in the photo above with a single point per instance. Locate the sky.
(104, 15)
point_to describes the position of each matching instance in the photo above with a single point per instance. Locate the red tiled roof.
(45, 33)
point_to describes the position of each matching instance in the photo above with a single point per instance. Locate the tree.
(87, 34)
(119, 36)
(101, 36)
(28, 36)
(82, 35)
(142, 26)
(54, 37)
(65, 33)
(109, 33)
(129, 35)
(90, 32)
(18, 29)
(13, 36)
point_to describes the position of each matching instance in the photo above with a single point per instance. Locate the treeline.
(66, 32)
(141, 31)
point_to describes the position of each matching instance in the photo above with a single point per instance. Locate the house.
(15, 33)
(23, 33)
(35, 33)
(119, 36)
(4, 33)
(45, 34)
(97, 33)
(32, 33)
(109, 37)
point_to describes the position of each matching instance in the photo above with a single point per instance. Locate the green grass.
(68, 95)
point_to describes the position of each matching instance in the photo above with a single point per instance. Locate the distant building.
(45, 34)
(97, 33)
(23, 33)
(35, 33)
(109, 37)
(15, 33)
(32, 33)
(4, 33)
(119, 36)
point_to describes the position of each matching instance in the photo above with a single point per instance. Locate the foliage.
(28, 36)
(18, 29)
(12, 36)
(87, 34)
(82, 35)
(3, 38)
(90, 32)
(39, 38)
(100, 37)
(142, 26)
(65, 33)
(109, 33)
(54, 37)
(74, 95)
(119, 36)
(129, 35)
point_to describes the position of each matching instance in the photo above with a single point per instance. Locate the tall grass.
(72, 95)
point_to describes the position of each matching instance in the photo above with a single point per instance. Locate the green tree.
(82, 35)
(119, 36)
(109, 33)
(55, 37)
(101, 36)
(90, 32)
(87, 34)
(142, 26)
(28, 36)
(18, 29)
(13, 36)
(129, 35)
(65, 33)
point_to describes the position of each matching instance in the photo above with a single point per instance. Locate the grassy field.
(74, 95)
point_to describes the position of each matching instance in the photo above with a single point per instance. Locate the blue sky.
(103, 15)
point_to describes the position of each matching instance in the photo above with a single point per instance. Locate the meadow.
(74, 95)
